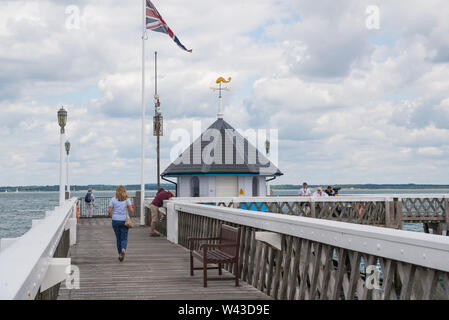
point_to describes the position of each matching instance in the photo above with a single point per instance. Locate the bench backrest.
(230, 235)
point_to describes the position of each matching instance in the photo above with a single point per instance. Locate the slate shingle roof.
(232, 155)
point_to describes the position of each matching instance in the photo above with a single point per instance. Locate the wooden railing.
(430, 210)
(321, 259)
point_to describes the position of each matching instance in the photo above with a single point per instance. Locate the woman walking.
(120, 207)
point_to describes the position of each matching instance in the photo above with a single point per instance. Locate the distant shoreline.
(151, 186)
(75, 188)
(367, 186)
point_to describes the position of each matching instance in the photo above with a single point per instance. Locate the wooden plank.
(316, 268)
(246, 255)
(340, 273)
(277, 275)
(407, 278)
(263, 275)
(258, 262)
(355, 274)
(304, 268)
(271, 259)
(293, 282)
(252, 257)
(388, 268)
(328, 269)
(242, 250)
(153, 269)
(389, 213)
(288, 259)
(446, 209)
(367, 293)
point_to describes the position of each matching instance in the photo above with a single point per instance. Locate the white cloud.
(351, 104)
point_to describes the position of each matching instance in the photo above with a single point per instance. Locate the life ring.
(360, 210)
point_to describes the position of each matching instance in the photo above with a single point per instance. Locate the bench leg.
(219, 269)
(191, 264)
(236, 274)
(205, 274)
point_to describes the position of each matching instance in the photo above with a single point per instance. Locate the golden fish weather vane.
(220, 89)
(221, 79)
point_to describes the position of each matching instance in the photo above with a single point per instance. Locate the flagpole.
(142, 149)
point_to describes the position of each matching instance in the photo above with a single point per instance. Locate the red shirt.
(158, 200)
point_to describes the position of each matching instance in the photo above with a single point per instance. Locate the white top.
(323, 194)
(119, 212)
(305, 192)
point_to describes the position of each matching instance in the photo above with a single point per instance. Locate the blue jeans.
(121, 234)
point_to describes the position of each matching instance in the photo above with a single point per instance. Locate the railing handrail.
(25, 262)
(421, 249)
(344, 198)
(102, 197)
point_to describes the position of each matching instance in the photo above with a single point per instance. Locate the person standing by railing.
(120, 207)
(305, 192)
(89, 199)
(320, 193)
(330, 191)
(157, 202)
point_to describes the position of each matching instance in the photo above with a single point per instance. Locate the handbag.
(128, 222)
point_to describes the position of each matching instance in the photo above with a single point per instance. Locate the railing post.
(137, 197)
(446, 209)
(389, 213)
(172, 223)
(398, 212)
(312, 209)
(446, 213)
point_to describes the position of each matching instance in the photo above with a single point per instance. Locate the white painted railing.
(27, 263)
(296, 257)
(339, 198)
(421, 249)
(351, 198)
(432, 210)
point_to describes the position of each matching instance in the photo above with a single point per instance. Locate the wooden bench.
(225, 251)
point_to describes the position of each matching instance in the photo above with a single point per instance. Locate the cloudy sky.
(352, 103)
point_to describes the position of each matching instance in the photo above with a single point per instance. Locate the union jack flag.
(156, 23)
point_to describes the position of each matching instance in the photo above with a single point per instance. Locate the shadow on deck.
(153, 268)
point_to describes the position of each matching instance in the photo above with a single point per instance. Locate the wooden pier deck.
(153, 268)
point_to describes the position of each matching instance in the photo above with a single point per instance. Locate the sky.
(356, 95)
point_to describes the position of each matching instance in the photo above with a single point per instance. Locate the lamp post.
(157, 123)
(62, 121)
(67, 149)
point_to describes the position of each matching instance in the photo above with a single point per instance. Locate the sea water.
(18, 209)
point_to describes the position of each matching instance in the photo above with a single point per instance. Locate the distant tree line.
(96, 187)
(168, 186)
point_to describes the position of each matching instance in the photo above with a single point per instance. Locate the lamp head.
(67, 147)
(62, 118)
(157, 107)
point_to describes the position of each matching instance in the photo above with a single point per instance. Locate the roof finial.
(220, 88)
